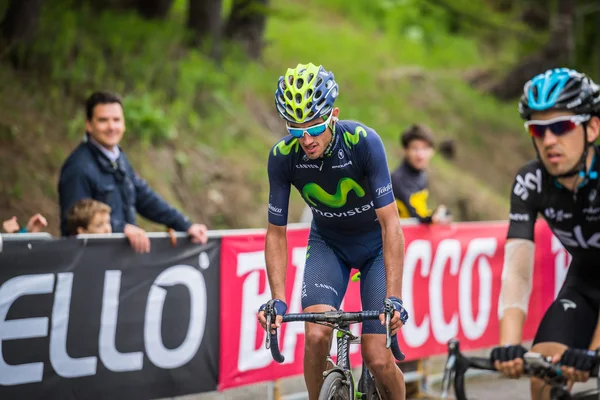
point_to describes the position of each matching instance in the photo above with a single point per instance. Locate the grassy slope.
(220, 124)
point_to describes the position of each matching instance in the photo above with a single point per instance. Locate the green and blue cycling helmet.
(305, 93)
(560, 89)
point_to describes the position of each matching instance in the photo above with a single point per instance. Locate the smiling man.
(98, 169)
(340, 169)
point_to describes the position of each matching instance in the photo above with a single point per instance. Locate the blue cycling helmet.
(305, 93)
(560, 89)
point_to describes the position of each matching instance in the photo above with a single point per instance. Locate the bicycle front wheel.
(335, 387)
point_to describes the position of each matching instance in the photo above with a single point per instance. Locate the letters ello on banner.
(68, 367)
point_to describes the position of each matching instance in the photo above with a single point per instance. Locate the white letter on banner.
(249, 357)
(414, 335)
(562, 259)
(473, 329)
(112, 358)
(63, 364)
(295, 306)
(448, 249)
(196, 285)
(24, 328)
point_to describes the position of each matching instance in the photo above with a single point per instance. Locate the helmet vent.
(552, 89)
(299, 83)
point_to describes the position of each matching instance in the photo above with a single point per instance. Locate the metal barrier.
(23, 237)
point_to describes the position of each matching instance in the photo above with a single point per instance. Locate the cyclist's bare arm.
(276, 259)
(516, 289)
(393, 256)
(393, 248)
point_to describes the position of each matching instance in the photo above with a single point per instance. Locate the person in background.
(35, 224)
(99, 169)
(410, 180)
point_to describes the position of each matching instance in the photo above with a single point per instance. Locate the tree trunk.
(204, 19)
(556, 53)
(20, 20)
(246, 25)
(154, 9)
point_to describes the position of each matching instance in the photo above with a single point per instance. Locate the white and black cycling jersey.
(573, 215)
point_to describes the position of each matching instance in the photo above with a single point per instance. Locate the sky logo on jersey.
(527, 183)
(285, 149)
(576, 238)
(353, 138)
(312, 191)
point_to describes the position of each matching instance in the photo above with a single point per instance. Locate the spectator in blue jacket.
(99, 169)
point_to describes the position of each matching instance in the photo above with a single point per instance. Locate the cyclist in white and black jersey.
(561, 108)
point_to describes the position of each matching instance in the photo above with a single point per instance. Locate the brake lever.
(268, 316)
(447, 377)
(389, 311)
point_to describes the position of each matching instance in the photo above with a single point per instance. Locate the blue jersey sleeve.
(279, 188)
(377, 171)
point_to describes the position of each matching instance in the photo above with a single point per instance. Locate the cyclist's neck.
(573, 182)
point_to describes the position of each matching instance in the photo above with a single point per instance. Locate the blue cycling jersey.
(343, 188)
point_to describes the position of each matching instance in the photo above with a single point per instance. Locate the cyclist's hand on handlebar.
(509, 360)
(400, 315)
(576, 364)
(279, 307)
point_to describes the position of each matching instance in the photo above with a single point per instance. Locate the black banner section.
(91, 319)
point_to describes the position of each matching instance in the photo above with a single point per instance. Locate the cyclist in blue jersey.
(340, 169)
(561, 109)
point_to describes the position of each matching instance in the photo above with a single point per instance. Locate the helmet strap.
(329, 148)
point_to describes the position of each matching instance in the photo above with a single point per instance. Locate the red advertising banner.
(452, 279)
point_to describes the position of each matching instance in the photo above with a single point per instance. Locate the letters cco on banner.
(451, 288)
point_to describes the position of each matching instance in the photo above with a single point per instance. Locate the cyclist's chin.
(557, 168)
(313, 155)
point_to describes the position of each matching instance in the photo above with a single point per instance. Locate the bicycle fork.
(343, 358)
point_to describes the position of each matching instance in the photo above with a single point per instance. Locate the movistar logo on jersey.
(352, 139)
(285, 149)
(312, 191)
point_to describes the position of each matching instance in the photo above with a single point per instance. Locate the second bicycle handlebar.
(334, 318)
(457, 365)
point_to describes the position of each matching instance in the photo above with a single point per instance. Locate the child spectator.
(89, 216)
(92, 217)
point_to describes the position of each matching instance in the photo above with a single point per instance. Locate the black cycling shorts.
(572, 318)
